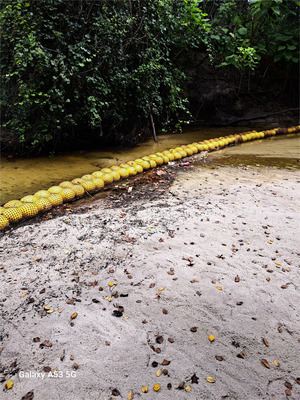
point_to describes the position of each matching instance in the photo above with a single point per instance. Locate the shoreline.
(214, 254)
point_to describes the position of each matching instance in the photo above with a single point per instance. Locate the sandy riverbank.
(215, 254)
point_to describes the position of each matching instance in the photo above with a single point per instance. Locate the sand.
(214, 254)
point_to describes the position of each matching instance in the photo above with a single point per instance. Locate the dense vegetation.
(90, 69)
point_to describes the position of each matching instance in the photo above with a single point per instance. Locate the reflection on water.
(277, 152)
(25, 176)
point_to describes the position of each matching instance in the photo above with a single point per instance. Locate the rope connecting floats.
(44, 200)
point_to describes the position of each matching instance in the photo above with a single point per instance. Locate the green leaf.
(243, 31)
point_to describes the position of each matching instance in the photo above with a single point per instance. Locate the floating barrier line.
(44, 200)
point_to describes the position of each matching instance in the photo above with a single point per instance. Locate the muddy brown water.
(21, 176)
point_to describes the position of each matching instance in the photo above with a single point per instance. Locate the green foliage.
(79, 65)
(244, 31)
(83, 67)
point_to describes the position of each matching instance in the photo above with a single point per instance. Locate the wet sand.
(150, 280)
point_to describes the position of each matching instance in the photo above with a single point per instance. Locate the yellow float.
(43, 200)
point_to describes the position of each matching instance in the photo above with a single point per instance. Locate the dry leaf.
(288, 392)
(74, 315)
(50, 311)
(237, 279)
(169, 386)
(159, 339)
(144, 389)
(194, 329)
(210, 379)
(266, 342)
(188, 388)
(276, 363)
(130, 395)
(165, 311)
(165, 362)
(219, 288)
(28, 396)
(115, 392)
(46, 343)
(158, 373)
(219, 358)
(9, 384)
(170, 340)
(23, 294)
(195, 379)
(265, 362)
(156, 387)
(288, 385)
(211, 338)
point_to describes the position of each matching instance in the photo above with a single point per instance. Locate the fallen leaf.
(194, 329)
(130, 395)
(23, 294)
(36, 339)
(169, 386)
(156, 387)
(165, 311)
(288, 392)
(242, 354)
(279, 329)
(219, 358)
(188, 388)
(237, 279)
(46, 308)
(276, 363)
(210, 379)
(166, 362)
(115, 392)
(50, 311)
(46, 343)
(74, 315)
(195, 379)
(265, 362)
(28, 396)
(75, 366)
(284, 286)
(144, 389)
(159, 339)
(181, 385)
(9, 384)
(47, 369)
(288, 385)
(158, 372)
(265, 342)
(219, 288)
(211, 338)
(170, 340)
